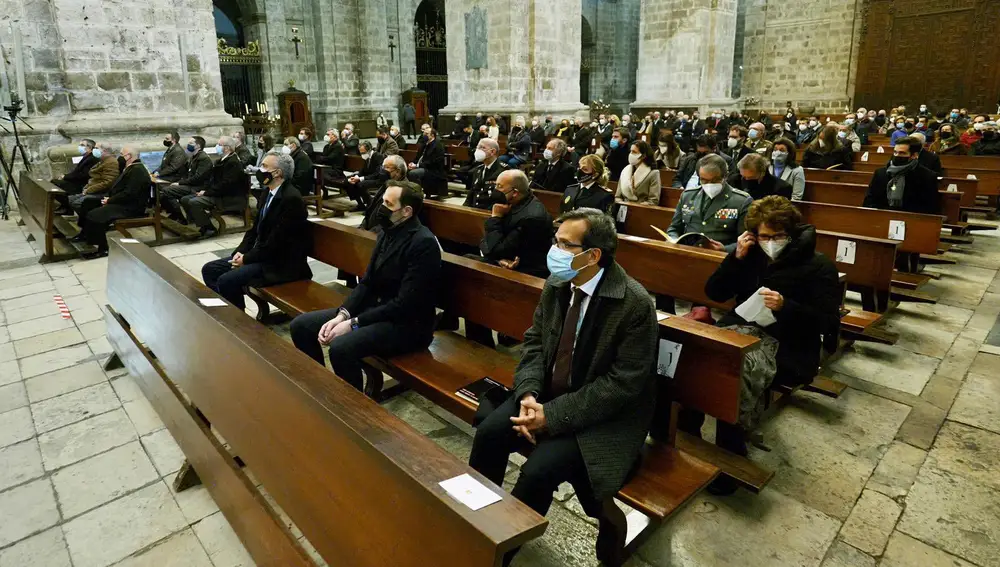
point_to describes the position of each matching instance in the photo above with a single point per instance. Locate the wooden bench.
(349, 474)
(155, 217)
(37, 203)
(853, 195)
(707, 377)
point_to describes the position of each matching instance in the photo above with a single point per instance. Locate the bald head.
(514, 184)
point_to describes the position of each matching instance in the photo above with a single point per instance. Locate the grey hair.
(106, 148)
(519, 181)
(227, 142)
(560, 146)
(398, 163)
(919, 136)
(293, 140)
(755, 162)
(600, 233)
(519, 120)
(366, 144)
(332, 132)
(285, 163)
(239, 137)
(491, 144)
(714, 163)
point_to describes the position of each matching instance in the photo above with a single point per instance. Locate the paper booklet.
(754, 311)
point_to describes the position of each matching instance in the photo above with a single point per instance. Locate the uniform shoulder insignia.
(503, 165)
(742, 193)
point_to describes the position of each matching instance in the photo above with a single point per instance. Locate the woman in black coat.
(826, 151)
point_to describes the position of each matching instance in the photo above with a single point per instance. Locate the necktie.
(563, 368)
(267, 203)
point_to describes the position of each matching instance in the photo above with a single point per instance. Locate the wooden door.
(943, 53)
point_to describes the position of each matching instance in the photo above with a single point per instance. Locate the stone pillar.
(685, 53)
(113, 71)
(532, 57)
(616, 31)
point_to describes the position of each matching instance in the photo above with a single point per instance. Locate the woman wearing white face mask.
(776, 260)
(827, 152)
(640, 180)
(668, 154)
(785, 167)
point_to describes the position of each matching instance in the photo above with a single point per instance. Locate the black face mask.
(383, 216)
(497, 197)
(167, 143)
(264, 177)
(584, 178)
(900, 161)
(945, 135)
(260, 145)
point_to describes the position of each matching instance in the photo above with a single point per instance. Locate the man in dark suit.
(585, 389)
(198, 176)
(483, 178)
(386, 145)
(554, 173)
(127, 198)
(75, 179)
(458, 132)
(393, 169)
(370, 176)
(276, 247)
(174, 165)
(927, 158)
(429, 171)
(753, 177)
(228, 190)
(304, 177)
(391, 311)
(519, 232)
(351, 141)
(333, 157)
(395, 134)
(305, 141)
(582, 137)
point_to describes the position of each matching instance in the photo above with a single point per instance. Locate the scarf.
(629, 177)
(897, 182)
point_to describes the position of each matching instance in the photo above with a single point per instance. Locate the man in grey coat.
(584, 391)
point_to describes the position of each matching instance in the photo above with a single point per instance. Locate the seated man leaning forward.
(275, 248)
(584, 390)
(391, 311)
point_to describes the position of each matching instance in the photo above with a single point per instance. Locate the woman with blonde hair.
(590, 190)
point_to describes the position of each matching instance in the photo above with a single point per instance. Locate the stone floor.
(902, 470)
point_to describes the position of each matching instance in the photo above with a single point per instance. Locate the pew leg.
(186, 478)
(263, 307)
(611, 534)
(374, 382)
(113, 363)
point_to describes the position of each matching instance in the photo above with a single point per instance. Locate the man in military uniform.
(714, 208)
(483, 177)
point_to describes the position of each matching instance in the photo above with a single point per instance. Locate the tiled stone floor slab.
(83, 439)
(47, 549)
(890, 366)
(64, 381)
(27, 509)
(221, 543)
(977, 402)
(180, 550)
(102, 478)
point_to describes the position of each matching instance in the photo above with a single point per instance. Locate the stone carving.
(476, 39)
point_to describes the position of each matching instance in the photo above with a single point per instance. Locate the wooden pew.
(853, 195)
(359, 471)
(989, 179)
(37, 205)
(505, 301)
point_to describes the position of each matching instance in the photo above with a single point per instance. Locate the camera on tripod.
(7, 166)
(14, 107)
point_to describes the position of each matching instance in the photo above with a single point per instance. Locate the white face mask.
(711, 189)
(732, 142)
(326, 139)
(547, 154)
(773, 247)
(286, 150)
(603, 122)
(534, 123)
(634, 159)
(480, 155)
(302, 137)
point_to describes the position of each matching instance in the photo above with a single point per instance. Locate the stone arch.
(429, 38)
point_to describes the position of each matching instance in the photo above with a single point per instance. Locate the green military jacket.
(721, 218)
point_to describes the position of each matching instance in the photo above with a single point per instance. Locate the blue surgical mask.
(218, 150)
(98, 153)
(954, 115)
(81, 149)
(753, 134)
(191, 148)
(614, 143)
(560, 264)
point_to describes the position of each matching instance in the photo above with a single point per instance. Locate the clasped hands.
(336, 327)
(530, 420)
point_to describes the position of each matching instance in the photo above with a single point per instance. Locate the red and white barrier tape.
(63, 309)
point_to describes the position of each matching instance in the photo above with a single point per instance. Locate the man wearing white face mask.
(554, 173)
(775, 258)
(483, 178)
(714, 208)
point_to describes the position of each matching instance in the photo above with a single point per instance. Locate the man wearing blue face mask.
(617, 157)
(585, 390)
(75, 179)
(198, 176)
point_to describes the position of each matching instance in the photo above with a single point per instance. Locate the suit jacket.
(199, 171)
(333, 156)
(303, 178)
(131, 189)
(519, 145)
(374, 175)
(401, 281)
(368, 222)
(388, 147)
(841, 156)
(102, 175)
(228, 178)
(554, 177)
(432, 161)
(307, 147)
(931, 161)
(612, 391)
(770, 185)
(281, 239)
(582, 139)
(593, 197)
(920, 194)
(537, 135)
(244, 155)
(351, 146)
(525, 232)
(174, 166)
(80, 174)
(479, 186)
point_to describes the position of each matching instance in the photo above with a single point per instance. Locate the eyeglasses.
(781, 236)
(567, 246)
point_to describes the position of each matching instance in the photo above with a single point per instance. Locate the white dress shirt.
(588, 289)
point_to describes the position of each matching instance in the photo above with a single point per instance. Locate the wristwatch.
(354, 324)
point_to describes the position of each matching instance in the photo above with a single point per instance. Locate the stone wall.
(803, 51)
(615, 27)
(113, 70)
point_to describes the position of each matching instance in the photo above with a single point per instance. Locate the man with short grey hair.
(754, 178)
(713, 209)
(227, 191)
(275, 248)
(242, 152)
(554, 173)
(482, 179)
(127, 198)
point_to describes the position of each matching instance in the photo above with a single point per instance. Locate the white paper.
(128, 241)
(622, 213)
(660, 315)
(846, 251)
(753, 310)
(77, 160)
(897, 230)
(211, 302)
(952, 188)
(971, 176)
(666, 362)
(469, 491)
(864, 156)
(880, 150)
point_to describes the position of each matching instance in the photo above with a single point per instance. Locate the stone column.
(685, 53)
(113, 71)
(532, 57)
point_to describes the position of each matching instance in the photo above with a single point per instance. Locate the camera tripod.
(7, 165)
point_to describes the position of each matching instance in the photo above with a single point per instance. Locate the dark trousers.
(553, 461)
(199, 209)
(171, 194)
(727, 436)
(358, 193)
(227, 281)
(97, 220)
(83, 204)
(346, 352)
(69, 187)
(411, 127)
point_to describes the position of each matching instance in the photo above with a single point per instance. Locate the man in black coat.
(198, 176)
(275, 249)
(333, 157)
(458, 132)
(989, 145)
(351, 141)
(391, 311)
(927, 158)
(483, 178)
(393, 169)
(582, 137)
(429, 171)
(227, 192)
(174, 165)
(304, 177)
(687, 169)
(127, 198)
(370, 176)
(305, 141)
(754, 178)
(800, 288)
(242, 151)
(75, 179)
(554, 173)
(519, 232)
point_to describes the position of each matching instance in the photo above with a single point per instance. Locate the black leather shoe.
(79, 238)
(723, 485)
(95, 255)
(208, 231)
